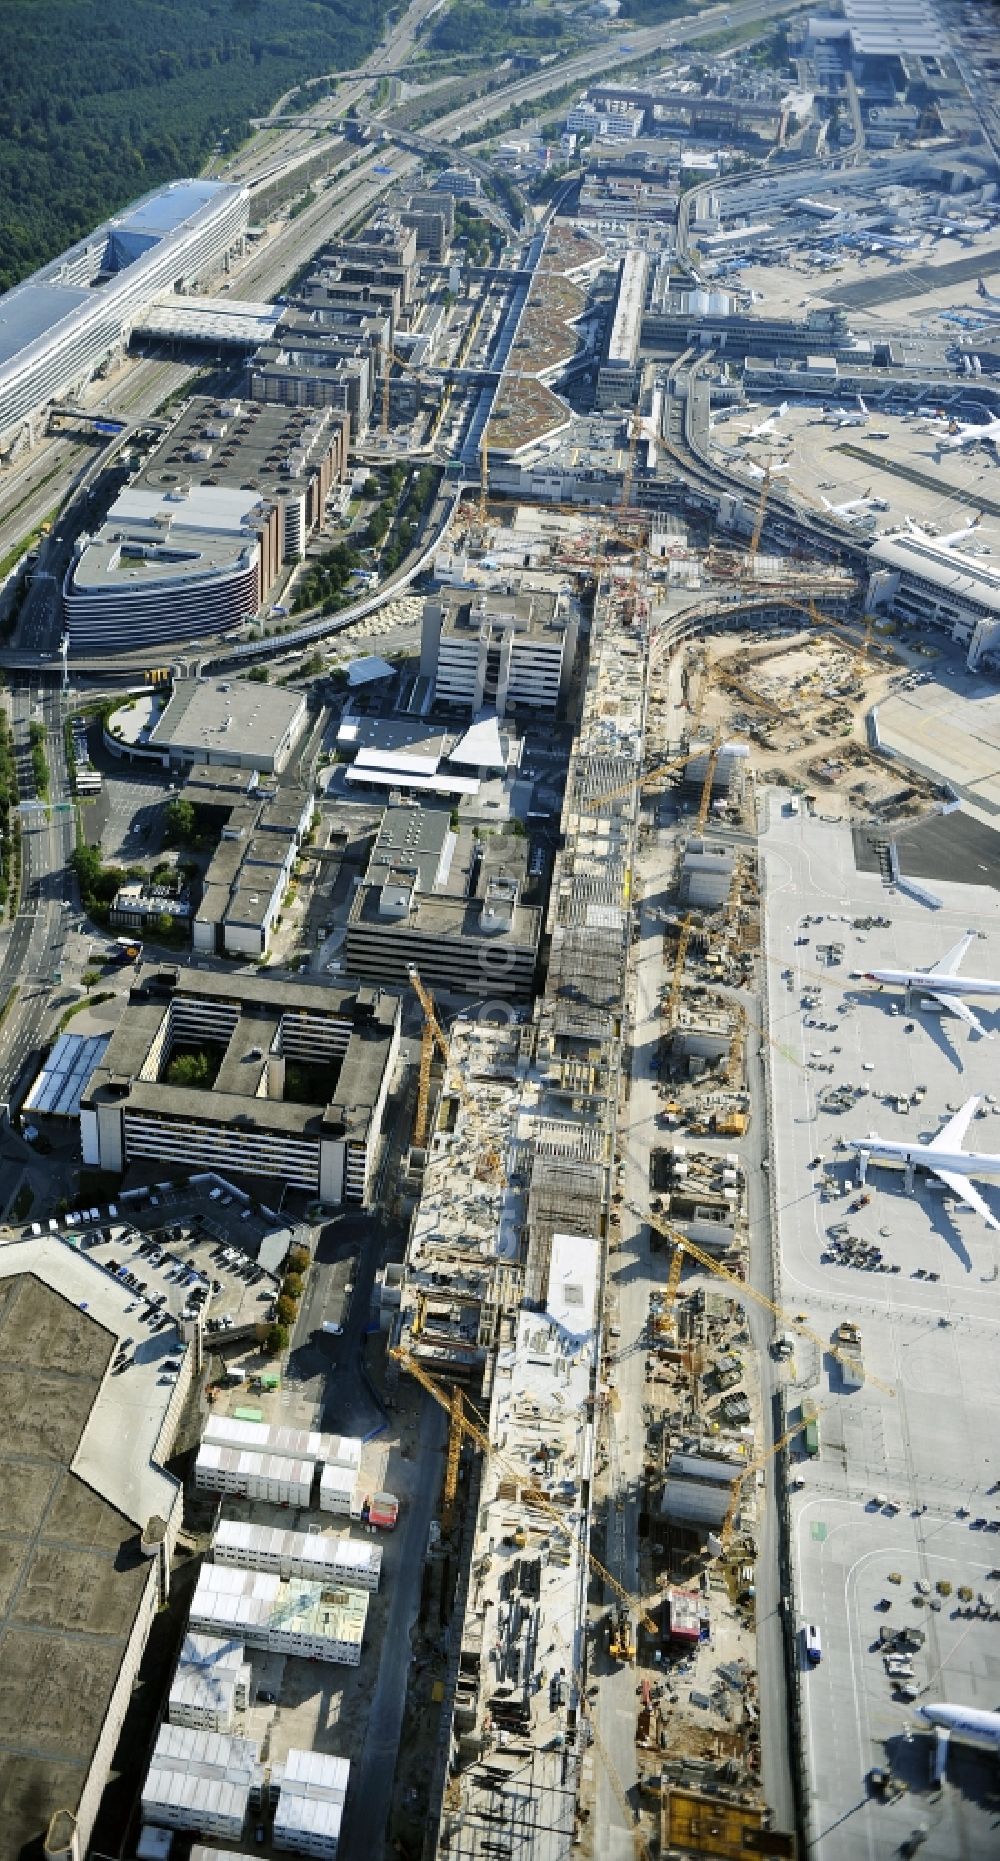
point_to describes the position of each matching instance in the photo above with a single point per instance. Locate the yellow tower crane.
(484, 473)
(755, 1466)
(743, 1290)
(433, 1034)
(462, 1424)
(401, 361)
(706, 788)
(758, 528)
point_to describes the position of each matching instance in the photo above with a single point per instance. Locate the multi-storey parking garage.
(60, 324)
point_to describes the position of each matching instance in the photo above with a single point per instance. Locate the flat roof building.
(230, 722)
(618, 376)
(281, 1616)
(195, 544)
(66, 319)
(90, 1518)
(321, 1557)
(480, 939)
(508, 649)
(336, 1044)
(211, 1684)
(248, 874)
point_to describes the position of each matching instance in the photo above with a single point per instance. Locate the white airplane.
(844, 510)
(848, 416)
(952, 1166)
(990, 297)
(971, 1725)
(943, 983)
(766, 427)
(952, 536)
(962, 433)
(757, 472)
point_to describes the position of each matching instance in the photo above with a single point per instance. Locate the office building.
(459, 182)
(512, 650)
(210, 1685)
(934, 582)
(281, 1616)
(229, 723)
(261, 830)
(432, 219)
(312, 1788)
(65, 321)
(194, 545)
(302, 1071)
(466, 930)
(90, 1522)
(620, 371)
(202, 1780)
(332, 1559)
(324, 369)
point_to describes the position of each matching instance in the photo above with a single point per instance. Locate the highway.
(603, 58)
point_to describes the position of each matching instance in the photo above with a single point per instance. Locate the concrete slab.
(928, 1448)
(950, 730)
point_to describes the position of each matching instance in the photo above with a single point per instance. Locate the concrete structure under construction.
(339, 1046)
(63, 322)
(528, 1608)
(90, 1520)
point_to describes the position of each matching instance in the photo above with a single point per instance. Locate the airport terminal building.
(65, 320)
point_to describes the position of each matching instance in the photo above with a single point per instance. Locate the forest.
(103, 99)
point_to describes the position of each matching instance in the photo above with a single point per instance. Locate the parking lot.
(903, 1482)
(177, 1263)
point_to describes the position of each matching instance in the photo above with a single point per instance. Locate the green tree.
(180, 822)
(277, 1339)
(285, 1310)
(190, 1069)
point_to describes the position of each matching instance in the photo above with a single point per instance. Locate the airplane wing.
(967, 1193)
(956, 1006)
(951, 1135)
(947, 965)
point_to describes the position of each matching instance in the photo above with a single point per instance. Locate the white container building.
(211, 1684)
(312, 1788)
(202, 1780)
(312, 1620)
(247, 1475)
(321, 1558)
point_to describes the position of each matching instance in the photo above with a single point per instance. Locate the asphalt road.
(33, 943)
